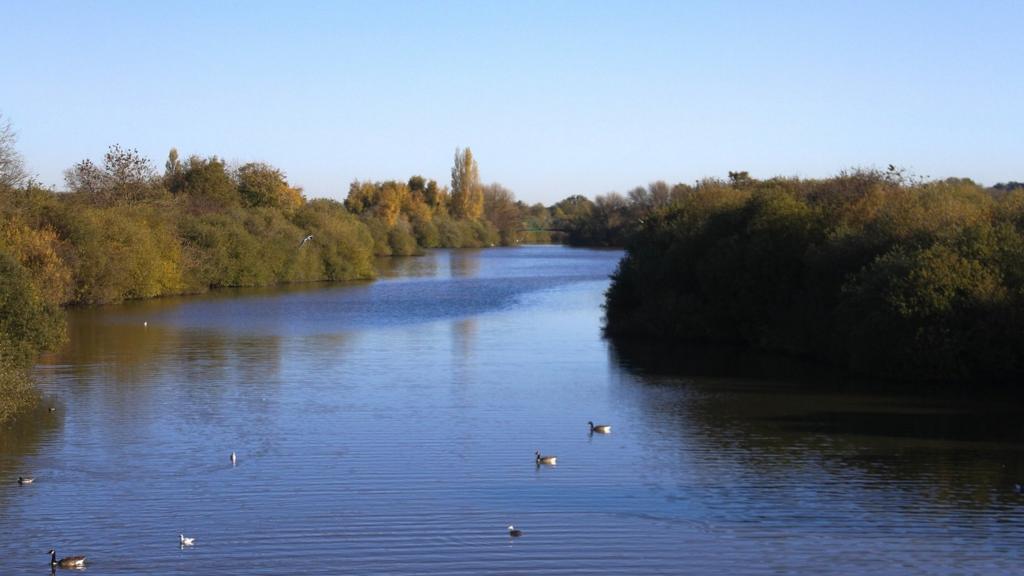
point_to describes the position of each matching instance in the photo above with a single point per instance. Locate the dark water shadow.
(968, 446)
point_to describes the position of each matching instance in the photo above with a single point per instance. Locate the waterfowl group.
(183, 541)
(551, 460)
(68, 562)
(79, 561)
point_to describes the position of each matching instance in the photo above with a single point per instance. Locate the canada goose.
(25, 480)
(69, 562)
(233, 458)
(514, 532)
(545, 459)
(185, 541)
(600, 428)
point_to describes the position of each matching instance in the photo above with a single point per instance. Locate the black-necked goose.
(69, 562)
(541, 459)
(25, 480)
(600, 428)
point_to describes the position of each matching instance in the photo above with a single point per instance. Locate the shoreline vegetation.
(876, 272)
(124, 230)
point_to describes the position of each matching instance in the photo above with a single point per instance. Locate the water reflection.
(776, 417)
(464, 263)
(413, 267)
(454, 263)
(463, 337)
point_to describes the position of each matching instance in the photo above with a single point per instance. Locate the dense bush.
(29, 324)
(904, 279)
(123, 232)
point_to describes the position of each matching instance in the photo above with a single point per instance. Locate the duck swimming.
(542, 459)
(68, 562)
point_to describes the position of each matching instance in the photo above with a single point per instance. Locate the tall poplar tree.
(467, 199)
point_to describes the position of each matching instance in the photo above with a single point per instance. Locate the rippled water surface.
(389, 428)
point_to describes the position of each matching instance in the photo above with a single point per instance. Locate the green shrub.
(908, 280)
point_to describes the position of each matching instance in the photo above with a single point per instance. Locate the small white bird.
(304, 240)
(144, 324)
(234, 458)
(182, 540)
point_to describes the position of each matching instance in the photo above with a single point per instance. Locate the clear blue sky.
(555, 98)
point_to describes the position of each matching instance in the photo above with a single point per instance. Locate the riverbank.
(123, 231)
(914, 281)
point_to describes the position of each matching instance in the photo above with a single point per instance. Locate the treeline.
(405, 217)
(873, 271)
(125, 230)
(610, 219)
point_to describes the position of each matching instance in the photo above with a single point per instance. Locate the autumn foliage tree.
(467, 200)
(261, 184)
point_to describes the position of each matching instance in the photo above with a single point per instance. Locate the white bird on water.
(182, 540)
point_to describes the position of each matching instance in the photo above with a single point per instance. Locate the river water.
(390, 428)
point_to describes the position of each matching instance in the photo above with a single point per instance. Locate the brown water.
(389, 428)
